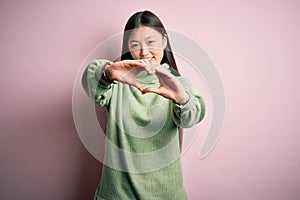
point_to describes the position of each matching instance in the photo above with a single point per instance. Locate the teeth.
(148, 58)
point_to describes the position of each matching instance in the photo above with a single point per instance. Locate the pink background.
(254, 44)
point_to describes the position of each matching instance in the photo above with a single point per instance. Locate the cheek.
(158, 52)
(159, 55)
(134, 54)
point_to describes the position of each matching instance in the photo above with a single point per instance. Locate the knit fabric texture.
(142, 154)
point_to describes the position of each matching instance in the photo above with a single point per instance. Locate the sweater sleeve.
(94, 85)
(191, 112)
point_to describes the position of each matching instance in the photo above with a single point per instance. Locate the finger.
(151, 89)
(150, 69)
(157, 91)
(135, 63)
(147, 61)
(136, 84)
(135, 70)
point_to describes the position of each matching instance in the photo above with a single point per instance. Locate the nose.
(144, 52)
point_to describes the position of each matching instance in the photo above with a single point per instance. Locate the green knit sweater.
(142, 155)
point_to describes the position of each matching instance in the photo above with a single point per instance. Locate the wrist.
(183, 99)
(105, 75)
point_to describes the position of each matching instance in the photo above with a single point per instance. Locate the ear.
(165, 41)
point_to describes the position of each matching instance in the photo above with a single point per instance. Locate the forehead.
(143, 33)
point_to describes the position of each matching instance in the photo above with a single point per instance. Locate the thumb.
(136, 84)
(151, 89)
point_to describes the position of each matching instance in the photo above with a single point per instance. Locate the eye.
(151, 41)
(134, 46)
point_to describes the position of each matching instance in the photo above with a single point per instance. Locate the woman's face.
(147, 43)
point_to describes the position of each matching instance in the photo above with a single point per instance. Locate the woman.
(148, 103)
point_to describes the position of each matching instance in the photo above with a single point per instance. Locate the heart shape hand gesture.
(126, 70)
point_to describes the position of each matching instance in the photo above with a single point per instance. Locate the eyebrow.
(145, 38)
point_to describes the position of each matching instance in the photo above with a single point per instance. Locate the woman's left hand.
(170, 87)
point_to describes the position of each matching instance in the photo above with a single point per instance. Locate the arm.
(188, 105)
(193, 111)
(94, 84)
(100, 88)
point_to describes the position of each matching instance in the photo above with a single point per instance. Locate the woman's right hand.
(125, 71)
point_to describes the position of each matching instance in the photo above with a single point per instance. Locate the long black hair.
(149, 19)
